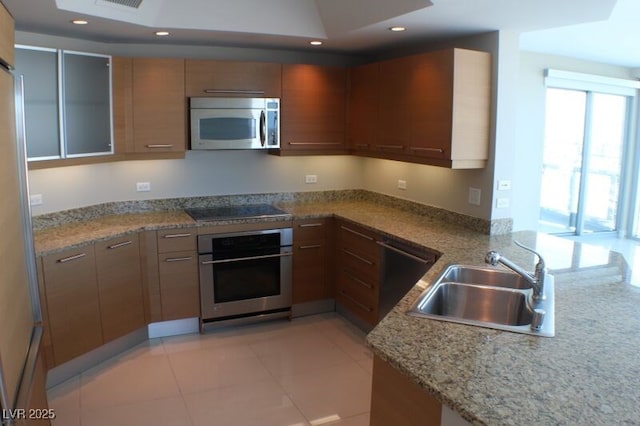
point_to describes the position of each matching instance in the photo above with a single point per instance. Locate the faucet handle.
(537, 319)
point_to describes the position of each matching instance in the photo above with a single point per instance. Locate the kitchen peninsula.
(586, 374)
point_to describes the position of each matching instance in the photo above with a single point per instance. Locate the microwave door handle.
(263, 128)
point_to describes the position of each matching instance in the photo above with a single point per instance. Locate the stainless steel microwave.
(234, 123)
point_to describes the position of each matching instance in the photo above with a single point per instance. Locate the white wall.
(530, 128)
(199, 174)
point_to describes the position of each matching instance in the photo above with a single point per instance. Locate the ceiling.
(602, 30)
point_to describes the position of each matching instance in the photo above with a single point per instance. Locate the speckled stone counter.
(588, 374)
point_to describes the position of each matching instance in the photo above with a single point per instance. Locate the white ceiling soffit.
(297, 18)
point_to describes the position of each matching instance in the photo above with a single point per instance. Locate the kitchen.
(208, 174)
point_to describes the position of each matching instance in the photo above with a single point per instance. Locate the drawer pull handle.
(390, 146)
(315, 143)
(159, 146)
(168, 236)
(409, 255)
(354, 301)
(417, 148)
(356, 279)
(359, 234)
(115, 246)
(312, 246)
(178, 259)
(360, 258)
(70, 258)
(242, 259)
(310, 225)
(234, 92)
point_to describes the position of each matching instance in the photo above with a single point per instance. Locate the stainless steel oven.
(244, 275)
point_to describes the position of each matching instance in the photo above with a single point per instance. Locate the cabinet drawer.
(357, 240)
(362, 265)
(363, 289)
(183, 239)
(309, 229)
(363, 309)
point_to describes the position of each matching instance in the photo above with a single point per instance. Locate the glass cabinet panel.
(39, 68)
(87, 104)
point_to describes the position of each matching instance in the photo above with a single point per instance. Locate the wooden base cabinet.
(396, 400)
(73, 302)
(358, 269)
(178, 274)
(119, 286)
(310, 261)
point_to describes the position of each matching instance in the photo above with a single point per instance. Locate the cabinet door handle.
(313, 246)
(176, 235)
(360, 258)
(354, 301)
(356, 279)
(122, 244)
(417, 148)
(70, 258)
(390, 146)
(309, 225)
(315, 143)
(409, 255)
(362, 145)
(178, 259)
(359, 234)
(159, 146)
(234, 92)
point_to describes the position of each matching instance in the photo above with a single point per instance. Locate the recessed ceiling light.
(79, 22)
(162, 33)
(397, 29)
(315, 43)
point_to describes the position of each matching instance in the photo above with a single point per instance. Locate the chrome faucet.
(536, 279)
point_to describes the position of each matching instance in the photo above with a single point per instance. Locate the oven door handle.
(240, 259)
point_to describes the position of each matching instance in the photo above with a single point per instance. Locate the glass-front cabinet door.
(67, 103)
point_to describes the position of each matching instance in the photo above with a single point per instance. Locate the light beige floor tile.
(260, 403)
(348, 338)
(206, 369)
(165, 411)
(137, 380)
(343, 390)
(64, 399)
(298, 353)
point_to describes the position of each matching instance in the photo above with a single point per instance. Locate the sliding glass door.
(585, 134)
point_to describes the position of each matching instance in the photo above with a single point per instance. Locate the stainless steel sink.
(487, 297)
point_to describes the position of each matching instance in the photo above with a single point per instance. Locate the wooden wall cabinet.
(310, 261)
(233, 78)
(363, 107)
(159, 105)
(119, 286)
(73, 302)
(313, 110)
(358, 271)
(178, 274)
(150, 108)
(432, 108)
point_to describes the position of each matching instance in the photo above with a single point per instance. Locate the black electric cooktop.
(251, 211)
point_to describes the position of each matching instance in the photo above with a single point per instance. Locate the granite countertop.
(587, 374)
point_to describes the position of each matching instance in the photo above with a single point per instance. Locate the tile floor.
(310, 371)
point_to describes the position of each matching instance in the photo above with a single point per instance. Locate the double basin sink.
(488, 297)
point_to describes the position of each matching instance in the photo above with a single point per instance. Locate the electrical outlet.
(35, 199)
(143, 186)
(474, 195)
(402, 184)
(502, 203)
(504, 185)
(311, 179)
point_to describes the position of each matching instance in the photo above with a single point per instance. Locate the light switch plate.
(504, 185)
(35, 199)
(502, 203)
(402, 184)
